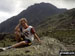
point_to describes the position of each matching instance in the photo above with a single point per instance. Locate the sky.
(9, 8)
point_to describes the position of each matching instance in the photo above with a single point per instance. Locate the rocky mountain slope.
(65, 20)
(60, 26)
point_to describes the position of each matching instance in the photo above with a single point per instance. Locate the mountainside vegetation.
(60, 26)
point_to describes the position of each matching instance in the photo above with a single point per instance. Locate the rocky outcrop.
(48, 47)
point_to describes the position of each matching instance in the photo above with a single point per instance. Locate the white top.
(27, 33)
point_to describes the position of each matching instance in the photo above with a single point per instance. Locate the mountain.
(65, 20)
(60, 26)
(34, 14)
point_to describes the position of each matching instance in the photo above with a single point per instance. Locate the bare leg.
(17, 36)
(14, 46)
(19, 44)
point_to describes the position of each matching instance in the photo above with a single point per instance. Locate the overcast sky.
(9, 8)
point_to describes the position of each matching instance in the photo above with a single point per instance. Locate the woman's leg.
(14, 46)
(17, 36)
(19, 44)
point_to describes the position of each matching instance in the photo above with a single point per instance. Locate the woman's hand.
(40, 42)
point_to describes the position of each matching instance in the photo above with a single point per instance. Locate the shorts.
(26, 40)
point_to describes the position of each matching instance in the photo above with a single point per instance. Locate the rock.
(49, 47)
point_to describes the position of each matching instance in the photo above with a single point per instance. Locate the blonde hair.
(23, 19)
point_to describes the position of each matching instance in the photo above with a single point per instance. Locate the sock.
(9, 47)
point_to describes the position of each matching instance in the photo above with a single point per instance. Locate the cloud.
(10, 8)
(4, 16)
(69, 4)
(19, 5)
(7, 5)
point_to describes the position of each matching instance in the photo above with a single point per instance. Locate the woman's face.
(23, 23)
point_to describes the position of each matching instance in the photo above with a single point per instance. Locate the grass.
(65, 36)
(7, 41)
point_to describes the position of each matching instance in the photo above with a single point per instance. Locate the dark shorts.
(26, 40)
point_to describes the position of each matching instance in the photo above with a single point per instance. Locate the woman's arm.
(17, 27)
(36, 36)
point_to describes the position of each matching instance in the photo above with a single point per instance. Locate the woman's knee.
(17, 36)
(17, 33)
(23, 42)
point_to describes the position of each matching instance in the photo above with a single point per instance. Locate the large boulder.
(48, 47)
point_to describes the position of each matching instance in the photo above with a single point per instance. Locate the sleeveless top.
(27, 33)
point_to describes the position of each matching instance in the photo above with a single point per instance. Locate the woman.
(24, 34)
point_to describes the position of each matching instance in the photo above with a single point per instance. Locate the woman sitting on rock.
(24, 34)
